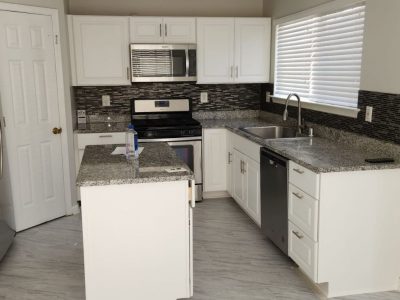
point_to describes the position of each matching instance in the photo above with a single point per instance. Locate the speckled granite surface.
(99, 167)
(102, 127)
(320, 155)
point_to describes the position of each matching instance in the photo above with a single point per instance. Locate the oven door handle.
(183, 139)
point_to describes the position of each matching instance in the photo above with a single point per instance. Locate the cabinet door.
(252, 49)
(147, 30)
(180, 30)
(214, 144)
(229, 169)
(215, 50)
(238, 179)
(251, 172)
(100, 50)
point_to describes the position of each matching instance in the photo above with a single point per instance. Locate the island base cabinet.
(137, 241)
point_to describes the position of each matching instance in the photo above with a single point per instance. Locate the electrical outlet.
(106, 100)
(368, 114)
(81, 113)
(267, 97)
(204, 97)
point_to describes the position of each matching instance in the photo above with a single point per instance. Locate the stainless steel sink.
(272, 132)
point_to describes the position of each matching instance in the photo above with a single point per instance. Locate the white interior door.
(29, 98)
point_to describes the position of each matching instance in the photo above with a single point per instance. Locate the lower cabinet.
(246, 184)
(228, 169)
(214, 160)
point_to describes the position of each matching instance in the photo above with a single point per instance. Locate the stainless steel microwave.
(163, 63)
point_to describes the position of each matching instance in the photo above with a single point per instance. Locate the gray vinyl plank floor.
(232, 260)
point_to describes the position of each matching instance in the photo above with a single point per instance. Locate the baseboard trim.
(214, 195)
(75, 209)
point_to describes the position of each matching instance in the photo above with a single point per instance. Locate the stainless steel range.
(170, 120)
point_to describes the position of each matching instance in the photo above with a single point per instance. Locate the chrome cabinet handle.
(241, 167)
(232, 71)
(229, 158)
(244, 167)
(298, 171)
(1, 150)
(237, 72)
(298, 235)
(298, 195)
(105, 136)
(166, 29)
(128, 73)
(160, 29)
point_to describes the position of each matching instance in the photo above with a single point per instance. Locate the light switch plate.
(204, 97)
(106, 100)
(368, 114)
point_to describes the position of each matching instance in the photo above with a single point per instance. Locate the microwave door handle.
(187, 62)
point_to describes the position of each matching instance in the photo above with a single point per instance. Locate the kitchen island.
(137, 224)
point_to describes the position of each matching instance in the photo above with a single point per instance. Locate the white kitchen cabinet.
(233, 50)
(215, 160)
(229, 168)
(158, 30)
(99, 48)
(238, 187)
(252, 49)
(341, 227)
(215, 50)
(246, 185)
(251, 171)
(180, 30)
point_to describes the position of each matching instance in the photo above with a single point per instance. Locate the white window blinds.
(320, 57)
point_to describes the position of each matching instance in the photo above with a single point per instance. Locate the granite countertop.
(99, 167)
(102, 127)
(317, 154)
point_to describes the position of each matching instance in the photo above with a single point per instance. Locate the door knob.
(57, 130)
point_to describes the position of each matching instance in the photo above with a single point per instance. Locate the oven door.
(189, 150)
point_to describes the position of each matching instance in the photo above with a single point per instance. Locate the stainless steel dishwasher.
(274, 198)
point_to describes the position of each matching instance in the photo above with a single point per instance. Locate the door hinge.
(56, 39)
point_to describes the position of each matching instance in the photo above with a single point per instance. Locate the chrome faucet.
(285, 113)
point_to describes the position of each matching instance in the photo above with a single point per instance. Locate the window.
(319, 57)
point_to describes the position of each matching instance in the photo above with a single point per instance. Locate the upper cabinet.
(156, 30)
(252, 49)
(215, 50)
(99, 50)
(233, 50)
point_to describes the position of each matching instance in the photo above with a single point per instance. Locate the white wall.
(168, 7)
(381, 58)
(61, 5)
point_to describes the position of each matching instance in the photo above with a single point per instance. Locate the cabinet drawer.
(303, 251)
(304, 179)
(86, 139)
(303, 211)
(246, 147)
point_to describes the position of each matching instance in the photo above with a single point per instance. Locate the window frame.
(317, 11)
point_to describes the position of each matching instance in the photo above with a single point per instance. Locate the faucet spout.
(285, 112)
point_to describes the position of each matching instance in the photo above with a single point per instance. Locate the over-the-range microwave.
(163, 63)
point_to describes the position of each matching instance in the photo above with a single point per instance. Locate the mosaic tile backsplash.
(385, 123)
(220, 97)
